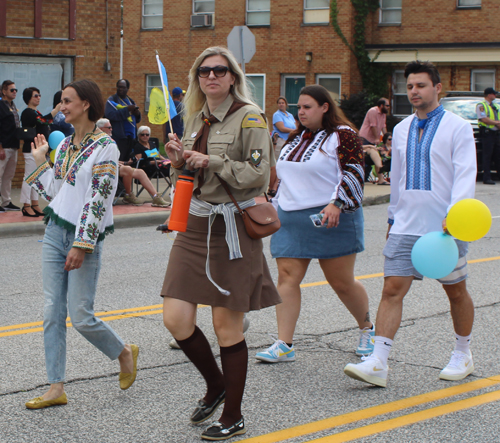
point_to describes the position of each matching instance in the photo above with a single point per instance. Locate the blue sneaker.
(277, 352)
(366, 341)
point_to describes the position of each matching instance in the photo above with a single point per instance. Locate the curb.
(120, 221)
(129, 220)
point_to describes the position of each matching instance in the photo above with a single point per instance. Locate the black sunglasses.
(219, 71)
(389, 139)
(13, 90)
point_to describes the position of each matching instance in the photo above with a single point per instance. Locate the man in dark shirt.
(9, 144)
(178, 120)
(124, 115)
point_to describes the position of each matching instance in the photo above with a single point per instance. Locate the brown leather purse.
(260, 220)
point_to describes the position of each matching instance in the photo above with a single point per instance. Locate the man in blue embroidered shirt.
(488, 116)
(433, 167)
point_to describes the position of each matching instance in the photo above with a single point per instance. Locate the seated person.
(139, 152)
(128, 173)
(372, 151)
(385, 151)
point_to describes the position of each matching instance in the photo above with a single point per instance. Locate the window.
(330, 82)
(152, 14)
(481, 79)
(468, 3)
(316, 11)
(258, 12)
(390, 12)
(152, 81)
(400, 103)
(203, 6)
(257, 83)
(290, 89)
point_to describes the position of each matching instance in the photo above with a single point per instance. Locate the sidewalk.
(14, 224)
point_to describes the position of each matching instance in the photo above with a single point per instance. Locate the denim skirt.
(299, 238)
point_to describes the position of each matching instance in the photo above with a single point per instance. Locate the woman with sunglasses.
(319, 205)
(80, 190)
(226, 140)
(31, 117)
(139, 152)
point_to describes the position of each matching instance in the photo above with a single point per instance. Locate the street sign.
(241, 42)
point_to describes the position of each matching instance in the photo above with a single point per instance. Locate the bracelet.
(180, 166)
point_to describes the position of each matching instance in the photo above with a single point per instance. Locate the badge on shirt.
(254, 121)
(256, 156)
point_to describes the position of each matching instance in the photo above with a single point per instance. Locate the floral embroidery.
(34, 181)
(98, 209)
(85, 212)
(106, 188)
(93, 231)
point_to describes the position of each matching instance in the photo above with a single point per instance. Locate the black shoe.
(11, 207)
(217, 431)
(2, 210)
(204, 412)
(40, 214)
(27, 214)
(489, 182)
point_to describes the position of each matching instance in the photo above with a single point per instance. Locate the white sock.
(462, 344)
(382, 348)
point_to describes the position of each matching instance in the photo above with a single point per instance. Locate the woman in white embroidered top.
(80, 190)
(225, 136)
(321, 172)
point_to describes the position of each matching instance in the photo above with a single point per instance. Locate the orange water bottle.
(182, 200)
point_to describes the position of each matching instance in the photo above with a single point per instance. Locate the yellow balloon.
(52, 155)
(469, 220)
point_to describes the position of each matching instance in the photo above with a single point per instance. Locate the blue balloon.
(55, 138)
(435, 255)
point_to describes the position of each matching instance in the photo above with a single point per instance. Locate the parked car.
(463, 103)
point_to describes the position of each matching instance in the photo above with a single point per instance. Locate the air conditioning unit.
(202, 20)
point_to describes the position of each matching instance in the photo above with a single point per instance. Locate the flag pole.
(165, 96)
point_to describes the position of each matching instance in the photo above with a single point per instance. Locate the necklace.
(76, 147)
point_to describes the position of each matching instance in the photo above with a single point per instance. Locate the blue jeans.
(74, 291)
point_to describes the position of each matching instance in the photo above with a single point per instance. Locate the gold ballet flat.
(127, 379)
(40, 403)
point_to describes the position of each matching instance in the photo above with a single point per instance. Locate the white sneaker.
(173, 344)
(370, 370)
(459, 367)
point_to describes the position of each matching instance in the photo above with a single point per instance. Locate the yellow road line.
(27, 328)
(409, 419)
(374, 411)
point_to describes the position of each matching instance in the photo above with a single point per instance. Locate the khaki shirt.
(240, 151)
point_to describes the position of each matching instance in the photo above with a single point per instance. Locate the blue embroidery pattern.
(310, 149)
(418, 152)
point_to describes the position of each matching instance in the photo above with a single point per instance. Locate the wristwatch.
(338, 203)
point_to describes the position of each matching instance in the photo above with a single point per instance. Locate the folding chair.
(154, 172)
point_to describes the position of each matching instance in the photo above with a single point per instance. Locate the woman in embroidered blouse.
(32, 118)
(321, 171)
(225, 136)
(80, 190)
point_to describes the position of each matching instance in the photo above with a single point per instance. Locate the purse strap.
(226, 187)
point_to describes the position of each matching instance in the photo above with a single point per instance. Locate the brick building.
(48, 43)
(295, 45)
(456, 35)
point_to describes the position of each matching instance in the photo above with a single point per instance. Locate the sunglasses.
(145, 135)
(37, 95)
(389, 139)
(108, 127)
(219, 71)
(13, 90)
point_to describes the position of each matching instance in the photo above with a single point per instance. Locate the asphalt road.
(308, 400)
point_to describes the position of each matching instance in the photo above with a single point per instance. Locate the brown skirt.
(248, 278)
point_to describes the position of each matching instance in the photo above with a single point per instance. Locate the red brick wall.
(89, 47)
(438, 21)
(280, 48)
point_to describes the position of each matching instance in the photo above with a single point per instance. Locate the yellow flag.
(157, 113)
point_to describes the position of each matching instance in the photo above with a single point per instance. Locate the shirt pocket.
(220, 143)
(188, 142)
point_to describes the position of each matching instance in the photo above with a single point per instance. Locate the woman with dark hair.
(80, 189)
(226, 140)
(319, 205)
(32, 118)
(59, 123)
(283, 125)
